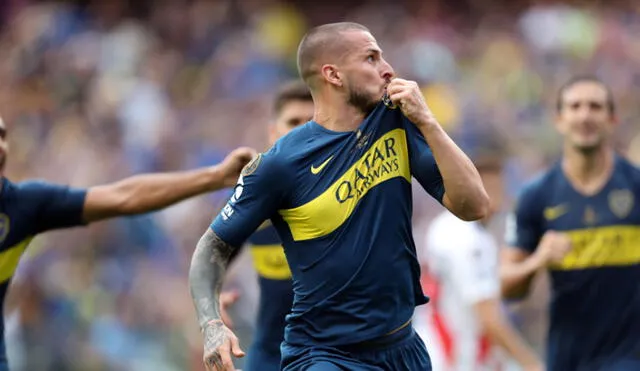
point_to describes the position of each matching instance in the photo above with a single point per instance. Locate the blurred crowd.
(93, 91)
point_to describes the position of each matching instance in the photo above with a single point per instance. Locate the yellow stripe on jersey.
(387, 158)
(270, 262)
(609, 246)
(10, 258)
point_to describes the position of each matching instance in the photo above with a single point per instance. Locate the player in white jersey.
(465, 318)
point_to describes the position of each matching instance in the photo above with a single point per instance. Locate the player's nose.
(387, 72)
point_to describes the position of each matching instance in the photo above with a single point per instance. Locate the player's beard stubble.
(362, 100)
(590, 148)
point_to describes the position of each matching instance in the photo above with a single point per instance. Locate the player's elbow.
(107, 201)
(474, 214)
(476, 209)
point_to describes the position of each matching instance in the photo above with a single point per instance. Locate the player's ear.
(331, 74)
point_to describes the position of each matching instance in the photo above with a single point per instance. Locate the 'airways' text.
(383, 163)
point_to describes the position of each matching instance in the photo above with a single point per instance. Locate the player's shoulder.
(627, 169)
(295, 139)
(273, 162)
(288, 148)
(541, 184)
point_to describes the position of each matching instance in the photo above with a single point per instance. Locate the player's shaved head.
(321, 45)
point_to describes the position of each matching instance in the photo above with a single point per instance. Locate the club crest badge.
(387, 101)
(251, 167)
(621, 202)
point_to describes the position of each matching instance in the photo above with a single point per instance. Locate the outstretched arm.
(150, 192)
(206, 274)
(256, 197)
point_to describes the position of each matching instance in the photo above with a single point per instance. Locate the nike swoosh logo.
(316, 170)
(552, 213)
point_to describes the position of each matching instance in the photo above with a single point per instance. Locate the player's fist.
(553, 247)
(407, 95)
(233, 164)
(220, 344)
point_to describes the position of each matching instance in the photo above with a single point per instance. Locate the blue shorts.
(401, 351)
(260, 358)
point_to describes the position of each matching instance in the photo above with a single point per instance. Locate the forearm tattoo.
(214, 334)
(206, 274)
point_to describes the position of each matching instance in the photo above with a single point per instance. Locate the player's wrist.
(215, 176)
(430, 129)
(427, 121)
(538, 260)
(213, 323)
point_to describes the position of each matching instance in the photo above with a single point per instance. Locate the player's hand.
(219, 344)
(553, 247)
(407, 95)
(227, 298)
(233, 164)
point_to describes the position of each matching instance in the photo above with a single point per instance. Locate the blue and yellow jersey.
(27, 209)
(341, 203)
(276, 288)
(595, 308)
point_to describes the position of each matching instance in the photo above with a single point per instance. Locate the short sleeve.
(56, 206)
(474, 269)
(523, 226)
(256, 197)
(423, 164)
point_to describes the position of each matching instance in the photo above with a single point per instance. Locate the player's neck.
(588, 172)
(338, 116)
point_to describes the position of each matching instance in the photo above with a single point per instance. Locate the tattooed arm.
(206, 274)
(257, 196)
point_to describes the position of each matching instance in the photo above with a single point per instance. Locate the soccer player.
(581, 221)
(32, 207)
(338, 192)
(465, 319)
(293, 106)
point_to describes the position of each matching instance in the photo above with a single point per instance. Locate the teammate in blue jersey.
(32, 207)
(581, 221)
(338, 192)
(293, 106)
